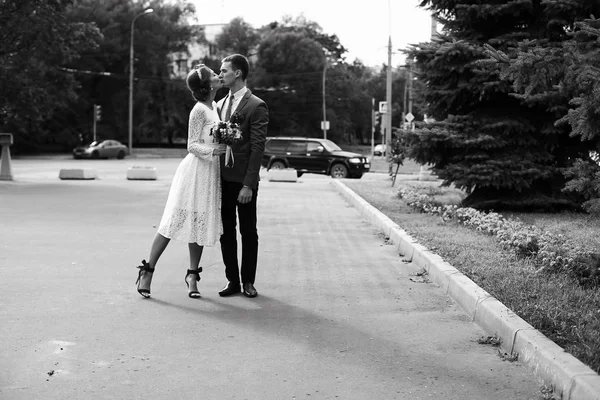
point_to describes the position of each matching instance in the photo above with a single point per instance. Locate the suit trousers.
(247, 218)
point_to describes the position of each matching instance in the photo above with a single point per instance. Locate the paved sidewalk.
(337, 316)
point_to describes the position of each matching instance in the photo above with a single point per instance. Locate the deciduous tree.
(238, 37)
(37, 40)
(161, 103)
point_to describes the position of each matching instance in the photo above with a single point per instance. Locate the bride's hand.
(219, 150)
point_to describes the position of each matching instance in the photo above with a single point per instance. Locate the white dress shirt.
(237, 97)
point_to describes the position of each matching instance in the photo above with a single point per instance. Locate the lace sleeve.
(198, 121)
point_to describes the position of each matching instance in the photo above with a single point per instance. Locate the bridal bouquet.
(228, 133)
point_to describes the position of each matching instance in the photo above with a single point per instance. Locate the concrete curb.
(568, 376)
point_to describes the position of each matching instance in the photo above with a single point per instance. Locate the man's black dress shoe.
(249, 290)
(230, 289)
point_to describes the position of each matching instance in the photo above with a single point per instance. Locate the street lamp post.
(147, 11)
(388, 86)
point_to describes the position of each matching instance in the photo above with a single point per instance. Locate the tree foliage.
(238, 37)
(331, 43)
(75, 54)
(293, 57)
(565, 76)
(504, 149)
(59, 58)
(160, 103)
(584, 178)
(37, 40)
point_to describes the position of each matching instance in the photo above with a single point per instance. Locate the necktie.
(229, 106)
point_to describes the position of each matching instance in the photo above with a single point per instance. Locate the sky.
(363, 27)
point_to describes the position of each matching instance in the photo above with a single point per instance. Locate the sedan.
(101, 149)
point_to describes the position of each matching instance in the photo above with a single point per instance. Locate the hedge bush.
(550, 253)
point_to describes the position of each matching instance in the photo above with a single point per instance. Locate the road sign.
(383, 107)
(326, 125)
(409, 117)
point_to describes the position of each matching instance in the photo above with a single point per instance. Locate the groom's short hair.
(239, 62)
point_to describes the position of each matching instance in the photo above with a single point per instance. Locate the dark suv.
(317, 156)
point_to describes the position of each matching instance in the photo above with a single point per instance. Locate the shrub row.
(553, 253)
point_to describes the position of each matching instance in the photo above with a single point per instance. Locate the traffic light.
(98, 112)
(377, 120)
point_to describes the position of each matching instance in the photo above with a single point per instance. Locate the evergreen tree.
(504, 150)
(569, 73)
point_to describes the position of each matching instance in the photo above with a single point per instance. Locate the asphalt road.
(339, 315)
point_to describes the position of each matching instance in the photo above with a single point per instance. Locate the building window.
(182, 66)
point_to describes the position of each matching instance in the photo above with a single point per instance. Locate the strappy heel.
(194, 294)
(144, 268)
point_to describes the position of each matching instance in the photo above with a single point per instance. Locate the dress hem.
(187, 241)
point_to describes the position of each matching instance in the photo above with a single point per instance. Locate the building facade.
(183, 62)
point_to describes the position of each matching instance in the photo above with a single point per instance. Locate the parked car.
(312, 155)
(379, 150)
(101, 149)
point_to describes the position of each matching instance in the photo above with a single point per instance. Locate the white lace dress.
(193, 210)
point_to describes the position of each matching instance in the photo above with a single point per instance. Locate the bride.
(193, 209)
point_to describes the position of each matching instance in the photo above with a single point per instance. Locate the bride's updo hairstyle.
(198, 81)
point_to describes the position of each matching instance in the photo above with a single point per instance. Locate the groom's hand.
(245, 195)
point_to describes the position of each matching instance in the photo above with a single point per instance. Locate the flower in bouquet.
(228, 133)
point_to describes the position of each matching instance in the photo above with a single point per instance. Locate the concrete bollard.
(282, 175)
(78, 173)
(142, 173)
(6, 140)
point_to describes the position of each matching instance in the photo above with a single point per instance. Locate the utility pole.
(372, 125)
(388, 86)
(410, 91)
(405, 102)
(388, 96)
(324, 124)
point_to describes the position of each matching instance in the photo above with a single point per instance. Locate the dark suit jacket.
(249, 151)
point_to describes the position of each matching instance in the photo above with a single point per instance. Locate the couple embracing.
(207, 195)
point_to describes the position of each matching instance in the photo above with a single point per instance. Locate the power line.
(121, 76)
(81, 71)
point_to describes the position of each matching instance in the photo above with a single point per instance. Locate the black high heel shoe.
(144, 268)
(194, 294)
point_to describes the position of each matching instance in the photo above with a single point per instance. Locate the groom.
(240, 182)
